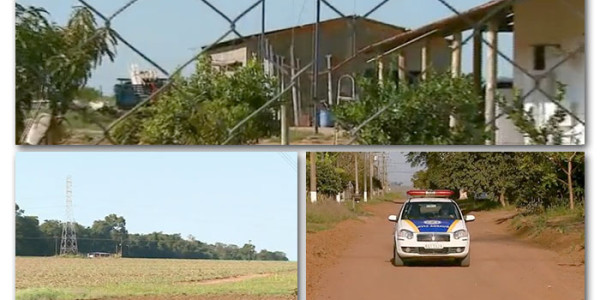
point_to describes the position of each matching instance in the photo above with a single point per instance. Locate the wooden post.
(299, 90)
(456, 63)
(477, 54)
(283, 107)
(294, 87)
(401, 66)
(425, 59)
(329, 82)
(491, 79)
(371, 171)
(313, 177)
(380, 71)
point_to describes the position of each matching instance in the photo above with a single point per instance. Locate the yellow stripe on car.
(452, 225)
(412, 225)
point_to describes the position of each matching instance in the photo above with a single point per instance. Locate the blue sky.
(399, 170)
(229, 197)
(171, 32)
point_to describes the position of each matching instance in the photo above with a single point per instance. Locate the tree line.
(110, 235)
(534, 179)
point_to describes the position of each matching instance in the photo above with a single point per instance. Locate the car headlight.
(460, 234)
(405, 234)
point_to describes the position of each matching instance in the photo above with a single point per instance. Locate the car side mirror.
(393, 218)
(469, 218)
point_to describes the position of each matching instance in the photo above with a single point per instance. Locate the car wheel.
(465, 262)
(397, 260)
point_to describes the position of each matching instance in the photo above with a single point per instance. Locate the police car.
(430, 226)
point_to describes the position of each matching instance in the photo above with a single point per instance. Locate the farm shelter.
(340, 40)
(548, 48)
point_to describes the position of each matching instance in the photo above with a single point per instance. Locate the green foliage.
(88, 94)
(202, 109)
(54, 62)
(110, 234)
(418, 114)
(550, 132)
(335, 170)
(530, 179)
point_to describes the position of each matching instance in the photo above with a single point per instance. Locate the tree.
(203, 107)
(28, 236)
(417, 114)
(567, 162)
(54, 62)
(549, 132)
(523, 178)
(88, 94)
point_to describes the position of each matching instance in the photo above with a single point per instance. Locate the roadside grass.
(559, 218)
(296, 136)
(82, 120)
(557, 228)
(63, 278)
(327, 212)
(470, 205)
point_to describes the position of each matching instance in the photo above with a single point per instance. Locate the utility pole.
(316, 68)
(371, 157)
(313, 177)
(365, 162)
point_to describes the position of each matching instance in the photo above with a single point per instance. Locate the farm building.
(548, 49)
(341, 38)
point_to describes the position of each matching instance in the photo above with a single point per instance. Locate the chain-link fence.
(541, 59)
(538, 27)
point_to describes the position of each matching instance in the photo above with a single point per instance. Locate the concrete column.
(401, 66)
(425, 59)
(456, 63)
(491, 78)
(456, 54)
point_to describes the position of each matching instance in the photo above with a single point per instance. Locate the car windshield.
(430, 210)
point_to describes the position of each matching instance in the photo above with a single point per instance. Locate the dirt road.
(502, 266)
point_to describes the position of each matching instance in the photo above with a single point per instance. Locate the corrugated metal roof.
(241, 40)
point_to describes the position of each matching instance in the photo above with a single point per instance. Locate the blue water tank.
(126, 97)
(326, 118)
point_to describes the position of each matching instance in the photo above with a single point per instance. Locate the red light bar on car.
(434, 193)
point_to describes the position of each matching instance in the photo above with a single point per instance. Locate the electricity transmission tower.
(68, 243)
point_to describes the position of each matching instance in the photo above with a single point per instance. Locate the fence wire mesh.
(295, 76)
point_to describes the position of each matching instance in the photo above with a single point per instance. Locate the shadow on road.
(502, 220)
(427, 264)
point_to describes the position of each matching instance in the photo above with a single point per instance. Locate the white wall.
(230, 55)
(552, 22)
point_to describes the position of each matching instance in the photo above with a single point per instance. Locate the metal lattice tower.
(68, 243)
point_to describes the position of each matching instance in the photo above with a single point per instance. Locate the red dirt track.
(353, 261)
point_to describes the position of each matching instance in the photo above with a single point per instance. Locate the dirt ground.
(353, 261)
(216, 297)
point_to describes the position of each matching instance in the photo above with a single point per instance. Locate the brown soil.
(214, 297)
(230, 279)
(353, 261)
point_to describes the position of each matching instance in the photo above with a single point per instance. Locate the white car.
(431, 228)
